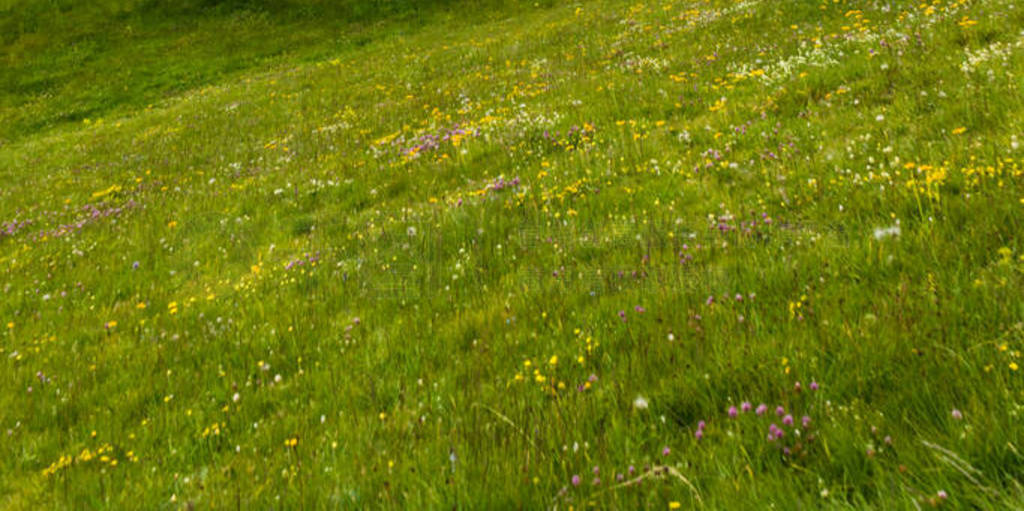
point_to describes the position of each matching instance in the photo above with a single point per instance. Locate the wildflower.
(780, 411)
(622, 315)
(942, 494)
(596, 481)
(664, 452)
(806, 421)
(787, 420)
(575, 480)
(745, 406)
(699, 434)
(885, 232)
(761, 409)
(957, 415)
(674, 505)
(639, 309)
(814, 385)
(733, 412)
(640, 403)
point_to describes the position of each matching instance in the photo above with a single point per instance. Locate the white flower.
(640, 403)
(885, 232)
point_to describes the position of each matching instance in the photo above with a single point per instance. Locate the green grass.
(433, 257)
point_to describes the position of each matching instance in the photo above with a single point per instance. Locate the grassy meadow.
(709, 254)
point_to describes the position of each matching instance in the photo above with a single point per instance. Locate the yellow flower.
(1013, 366)
(141, 305)
(674, 505)
(959, 130)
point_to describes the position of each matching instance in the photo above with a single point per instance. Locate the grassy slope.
(431, 345)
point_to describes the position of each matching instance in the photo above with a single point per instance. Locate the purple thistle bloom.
(701, 424)
(639, 309)
(699, 434)
(745, 406)
(806, 420)
(622, 314)
(814, 385)
(666, 451)
(788, 420)
(761, 409)
(631, 469)
(576, 480)
(135, 265)
(733, 412)
(780, 411)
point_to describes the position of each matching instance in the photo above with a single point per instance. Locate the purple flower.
(780, 411)
(631, 469)
(701, 424)
(135, 265)
(622, 314)
(787, 420)
(806, 420)
(814, 385)
(942, 494)
(957, 415)
(699, 434)
(576, 480)
(666, 451)
(639, 309)
(761, 409)
(733, 412)
(745, 406)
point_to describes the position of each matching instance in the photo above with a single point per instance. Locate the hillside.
(714, 254)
